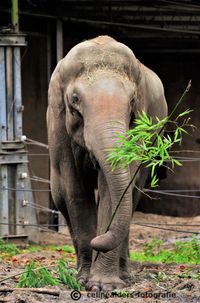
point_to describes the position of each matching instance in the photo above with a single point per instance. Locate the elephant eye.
(75, 99)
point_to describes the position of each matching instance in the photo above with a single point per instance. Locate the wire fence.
(147, 224)
(168, 192)
(29, 141)
(160, 226)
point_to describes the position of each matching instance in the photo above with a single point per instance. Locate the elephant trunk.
(117, 181)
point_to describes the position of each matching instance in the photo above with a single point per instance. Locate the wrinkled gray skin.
(95, 91)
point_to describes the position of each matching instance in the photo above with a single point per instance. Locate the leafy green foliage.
(182, 252)
(67, 275)
(189, 250)
(152, 246)
(7, 249)
(146, 144)
(36, 277)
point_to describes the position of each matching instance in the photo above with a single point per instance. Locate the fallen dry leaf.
(182, 267)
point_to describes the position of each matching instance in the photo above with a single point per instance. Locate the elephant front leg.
(78, 206)
(105, 271)
(124, 261)
(83, 230)
(83, 221)
(104, 274)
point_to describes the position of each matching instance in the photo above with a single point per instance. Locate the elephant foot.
(83, 275)
(105, 284)
(82, 280)
(125, 276)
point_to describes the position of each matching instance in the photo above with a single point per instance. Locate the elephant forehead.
(94, 59)
(102, 56)
(94, 75)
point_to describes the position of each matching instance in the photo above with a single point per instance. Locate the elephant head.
(97, 90)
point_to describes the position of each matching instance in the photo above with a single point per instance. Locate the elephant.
(95, 92)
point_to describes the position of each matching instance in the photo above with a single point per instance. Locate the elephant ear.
(55, 93)
(150, 94)
(140, 99)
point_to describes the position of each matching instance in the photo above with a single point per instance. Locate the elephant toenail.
(82, 281)
(95, 288)
(106, 288)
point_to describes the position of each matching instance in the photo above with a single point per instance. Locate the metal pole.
(9, 91)
(59, 40)
(18, 108)
(3, 137)
(15, 16)
(11, 169)
(59, 56)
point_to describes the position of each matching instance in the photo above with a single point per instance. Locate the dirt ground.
(146, 287)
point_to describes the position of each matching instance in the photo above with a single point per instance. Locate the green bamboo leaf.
(182, 130)
(187, 112)
(154, 181)
(176, 135)
(178, 163)
(153, 171)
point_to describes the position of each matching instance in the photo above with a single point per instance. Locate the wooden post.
(15, 16)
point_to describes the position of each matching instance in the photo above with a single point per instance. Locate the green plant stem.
(141, 164)
(181, 99)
